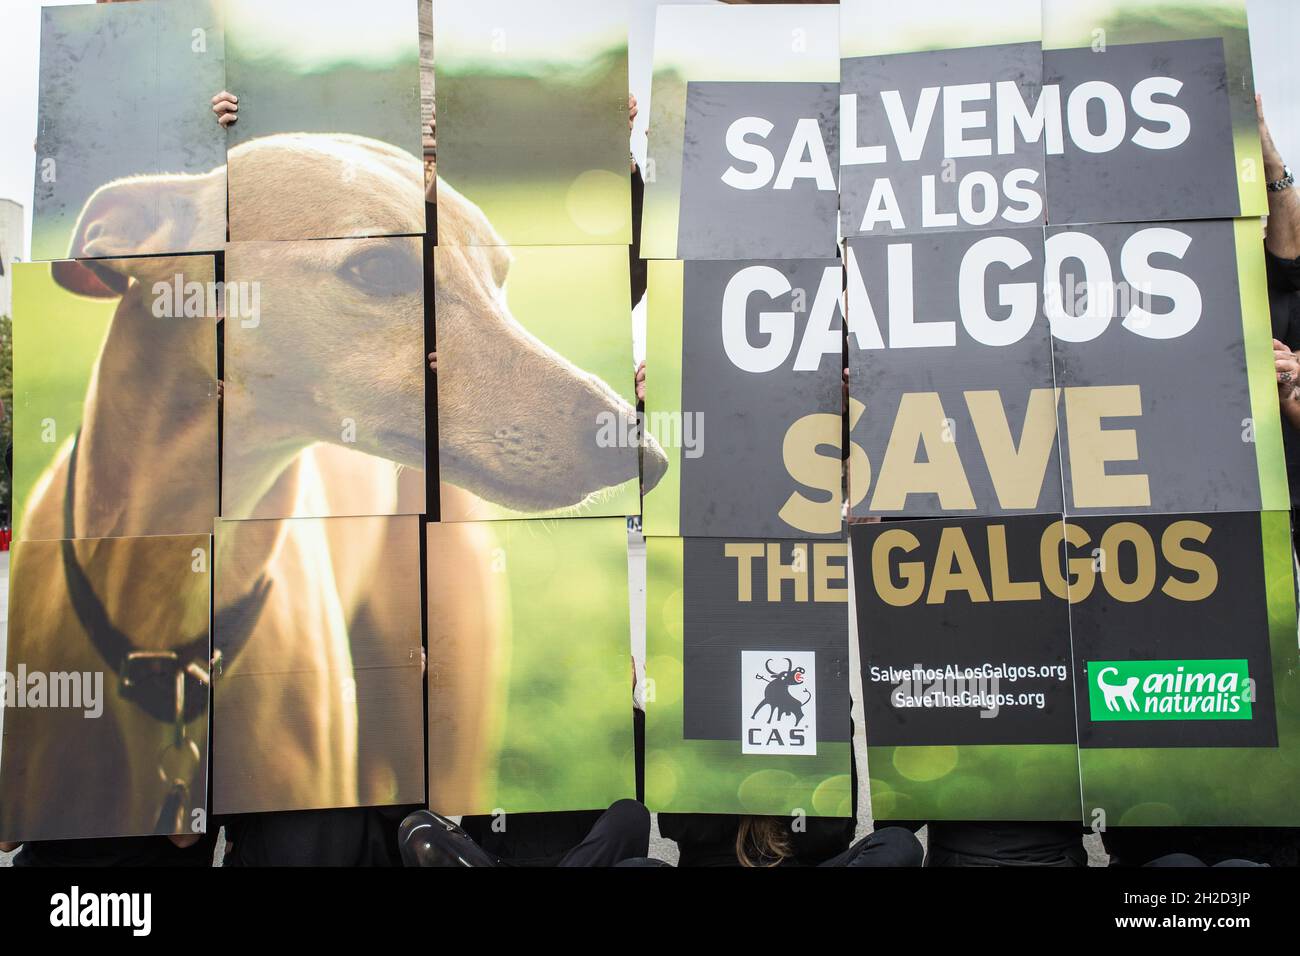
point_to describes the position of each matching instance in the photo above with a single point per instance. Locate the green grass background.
(541, 148)
(565, 717)
(296, 70)
(57, 340)
(661, 509)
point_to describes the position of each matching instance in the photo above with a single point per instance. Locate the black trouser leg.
(621, 833)
(890, 846)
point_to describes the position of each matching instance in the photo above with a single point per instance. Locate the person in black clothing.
(146, 851)
(1200, 846)
(574, 837)
(569, 839)
(707, 839)
(1282, 250)
(1005, 843)
(619, 836)
(347, 837)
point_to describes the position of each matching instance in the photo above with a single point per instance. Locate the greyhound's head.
(519, 424)
(140, 216)
(332, 184)
(321, 361)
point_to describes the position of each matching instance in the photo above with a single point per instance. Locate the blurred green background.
(565, 717)
(532, 104)
(1218, 786)
(882, 27)
(1005, 782)
(713, 776)
(57, 339)
(7, 424)
(314, 66)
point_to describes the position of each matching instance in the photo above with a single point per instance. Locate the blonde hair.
(763, 841)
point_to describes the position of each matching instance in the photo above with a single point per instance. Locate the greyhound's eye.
(382, 272)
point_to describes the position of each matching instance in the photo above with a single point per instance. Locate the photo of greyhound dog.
(285, 567)
(554, 445)
(348, 692)
(99, 738)
(140, 417)
(332, 355)
(111, 577)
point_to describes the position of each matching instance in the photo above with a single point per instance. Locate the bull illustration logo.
(778, 695)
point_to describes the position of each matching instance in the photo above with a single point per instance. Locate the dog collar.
(169, 685)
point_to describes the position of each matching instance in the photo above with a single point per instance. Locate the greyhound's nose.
(654, 463)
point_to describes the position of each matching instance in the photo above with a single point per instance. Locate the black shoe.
(429, 839)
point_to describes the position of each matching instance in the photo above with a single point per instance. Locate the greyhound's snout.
(654, 463)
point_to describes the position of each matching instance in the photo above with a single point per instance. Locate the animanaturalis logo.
(778, 715)
(1169, 690)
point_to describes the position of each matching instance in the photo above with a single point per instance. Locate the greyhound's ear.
(152, 215)
(89, 278)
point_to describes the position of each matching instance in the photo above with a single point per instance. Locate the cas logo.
(778, 715)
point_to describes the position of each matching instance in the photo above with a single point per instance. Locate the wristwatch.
(1286, 182)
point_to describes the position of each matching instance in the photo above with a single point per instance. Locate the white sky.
(20, 41)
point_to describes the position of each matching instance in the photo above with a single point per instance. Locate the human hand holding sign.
(1283, 235)
(1273, 165)
(631, 119)
(429, 142)
(226, 106)
(1287, 365)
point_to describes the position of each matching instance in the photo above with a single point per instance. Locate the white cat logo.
(1114, 693)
